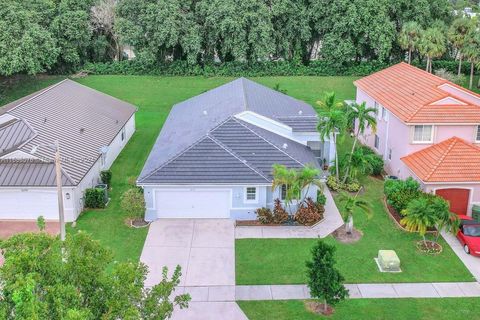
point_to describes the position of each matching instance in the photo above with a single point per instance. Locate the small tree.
(419, 216)
(350, 205)
(133, 203)
(324, 280)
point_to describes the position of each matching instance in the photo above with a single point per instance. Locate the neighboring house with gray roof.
(91, 127)
(214, 155)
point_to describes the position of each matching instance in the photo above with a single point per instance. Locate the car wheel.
(467, 250)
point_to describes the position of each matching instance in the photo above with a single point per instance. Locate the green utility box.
(476, 212)
(388, 261)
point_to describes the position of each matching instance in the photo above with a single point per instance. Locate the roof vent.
(44, 120)
(300, 112)
(82, 130)
(205, 112)
(285, 146)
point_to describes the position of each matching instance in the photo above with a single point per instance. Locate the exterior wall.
(239, 210)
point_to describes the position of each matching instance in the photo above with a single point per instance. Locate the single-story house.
(91, 127)
(428, 128)
(214, 155)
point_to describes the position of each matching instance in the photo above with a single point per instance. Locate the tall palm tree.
(359, 163)
(408, 37)
(306, 177)
(352, 204)
(432, 44)
(471, 52)
(288, 177)
(329, 102)
(331, 123)
(365, 117)
(457, 35)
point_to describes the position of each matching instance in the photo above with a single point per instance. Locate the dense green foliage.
(133, 203)
(94, 198)
(44, 278)
(400, 192)
(324, 280)
(106, 177)
(62, 35)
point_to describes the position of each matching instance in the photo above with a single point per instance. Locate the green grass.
(154, 97)
(368, 309)
(19, 87)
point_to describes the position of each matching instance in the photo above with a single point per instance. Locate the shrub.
(133, 203)
(264, 215)
(94, 198)
(309, 212)
(333, 183)
(321, 198)
(280, 215)
(106, 177)
(450, 76)
(400, 192)
(352, 186)
(376, 160)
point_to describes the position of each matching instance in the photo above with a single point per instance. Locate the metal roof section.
(82, 119)
(194, 118)
(31, 173)
(13, 134)
(205, 162)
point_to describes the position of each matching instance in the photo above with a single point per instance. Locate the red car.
(469, 235)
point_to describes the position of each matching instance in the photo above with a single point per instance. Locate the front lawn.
(154, 97)
(368, 309)
(282, 261)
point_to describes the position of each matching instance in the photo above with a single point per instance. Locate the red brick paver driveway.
(10, 227)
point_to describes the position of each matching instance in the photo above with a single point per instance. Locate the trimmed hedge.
(94, 198)
(234, 69)
(400, 192)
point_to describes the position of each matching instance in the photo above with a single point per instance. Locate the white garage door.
(28, 205)
(196, 203)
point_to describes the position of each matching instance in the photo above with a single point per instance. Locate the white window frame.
(390, 154)
(376, 105)
(477, 132)
(246, 195)
(422, 141)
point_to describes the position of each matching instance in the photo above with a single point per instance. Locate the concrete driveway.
(204, 249)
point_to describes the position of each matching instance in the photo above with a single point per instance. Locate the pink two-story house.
(427, 128)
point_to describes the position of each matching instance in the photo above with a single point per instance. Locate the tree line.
(62, 35)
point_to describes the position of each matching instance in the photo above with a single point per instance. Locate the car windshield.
(472, 231)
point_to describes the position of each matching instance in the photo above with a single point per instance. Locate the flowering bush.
(309, 212)
(280, 215)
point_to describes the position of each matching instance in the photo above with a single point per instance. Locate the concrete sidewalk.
(357, 291)
(331, 222)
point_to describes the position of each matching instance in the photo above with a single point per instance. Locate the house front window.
(423, 133)
(283, 192)
(377, 142)
(250, 194)
(477, 135)
(384, 113)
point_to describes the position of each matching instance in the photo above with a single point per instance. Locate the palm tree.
(288, 177)
(471, 51)
(359, 162)
(352, 204)
(418, 217)
(408, 37)
(329, 102)
(331, 123)
(365, 118)
(306, 177)
(457, 35)
(432, 44)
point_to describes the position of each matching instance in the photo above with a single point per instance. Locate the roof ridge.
(260, 136)
(435, 166)
(245, 162)
(37, 95)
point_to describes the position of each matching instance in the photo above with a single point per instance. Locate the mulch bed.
(256, 223)
(319, 308)
(137, 223)
(342, 236)
(430, 247)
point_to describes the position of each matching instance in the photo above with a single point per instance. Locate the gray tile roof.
(301, 123)
(30, 173)
(194, 118)
(206, 161)
(82, 119)
(13, 134)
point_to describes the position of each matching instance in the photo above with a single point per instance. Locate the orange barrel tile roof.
(452, 160)
(413, 95)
